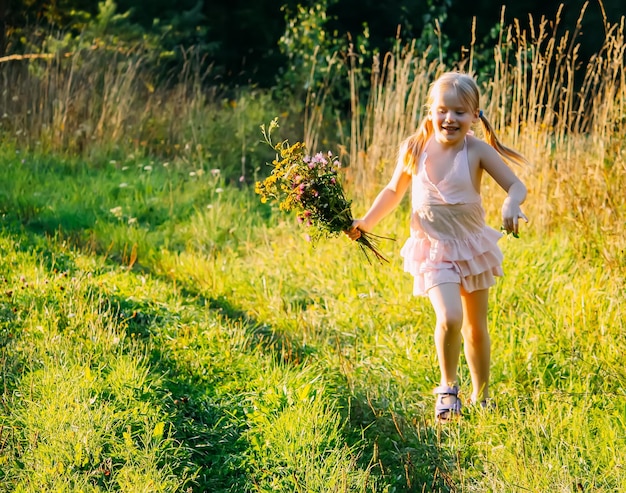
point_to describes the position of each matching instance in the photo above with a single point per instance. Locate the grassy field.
(162, 331)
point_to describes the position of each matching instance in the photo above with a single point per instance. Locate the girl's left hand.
(511, 214)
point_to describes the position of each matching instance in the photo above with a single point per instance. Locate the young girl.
(451, 252)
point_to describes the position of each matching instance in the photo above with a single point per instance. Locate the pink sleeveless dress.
(450, 241)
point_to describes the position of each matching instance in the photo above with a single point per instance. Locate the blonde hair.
(467, 91)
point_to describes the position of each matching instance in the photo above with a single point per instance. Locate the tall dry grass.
(105, 104)
(566, 115)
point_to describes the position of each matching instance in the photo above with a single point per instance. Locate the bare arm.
(387, 200)
(493, 164)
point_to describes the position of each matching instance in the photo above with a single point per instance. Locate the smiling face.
(451, 118)
(453, 107)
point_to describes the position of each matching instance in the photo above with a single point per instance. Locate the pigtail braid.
(492, 140)
(414, 145)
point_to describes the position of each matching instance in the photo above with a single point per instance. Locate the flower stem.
(367, 242)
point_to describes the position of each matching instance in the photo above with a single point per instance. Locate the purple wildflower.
(320, 159)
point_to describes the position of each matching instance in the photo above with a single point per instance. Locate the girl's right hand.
(354, 233)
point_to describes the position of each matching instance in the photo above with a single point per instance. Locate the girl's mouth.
(449, 129)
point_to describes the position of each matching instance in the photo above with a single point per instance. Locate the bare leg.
(477, 343)
(446, 301)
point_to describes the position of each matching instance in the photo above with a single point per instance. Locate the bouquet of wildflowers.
(310, 186)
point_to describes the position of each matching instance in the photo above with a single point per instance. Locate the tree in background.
(3, 27)
(165, 36)
(244, 40)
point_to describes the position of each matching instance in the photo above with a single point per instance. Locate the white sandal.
(448, 405)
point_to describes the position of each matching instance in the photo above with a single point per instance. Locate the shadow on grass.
(206, 407)
(406, 451)
(284, 347)
(207, 399)
(207, 418)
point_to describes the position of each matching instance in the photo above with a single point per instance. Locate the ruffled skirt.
(452, 243)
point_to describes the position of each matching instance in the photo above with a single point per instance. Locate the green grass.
(162, 331)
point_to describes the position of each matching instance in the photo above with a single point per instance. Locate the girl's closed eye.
(445, 110)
